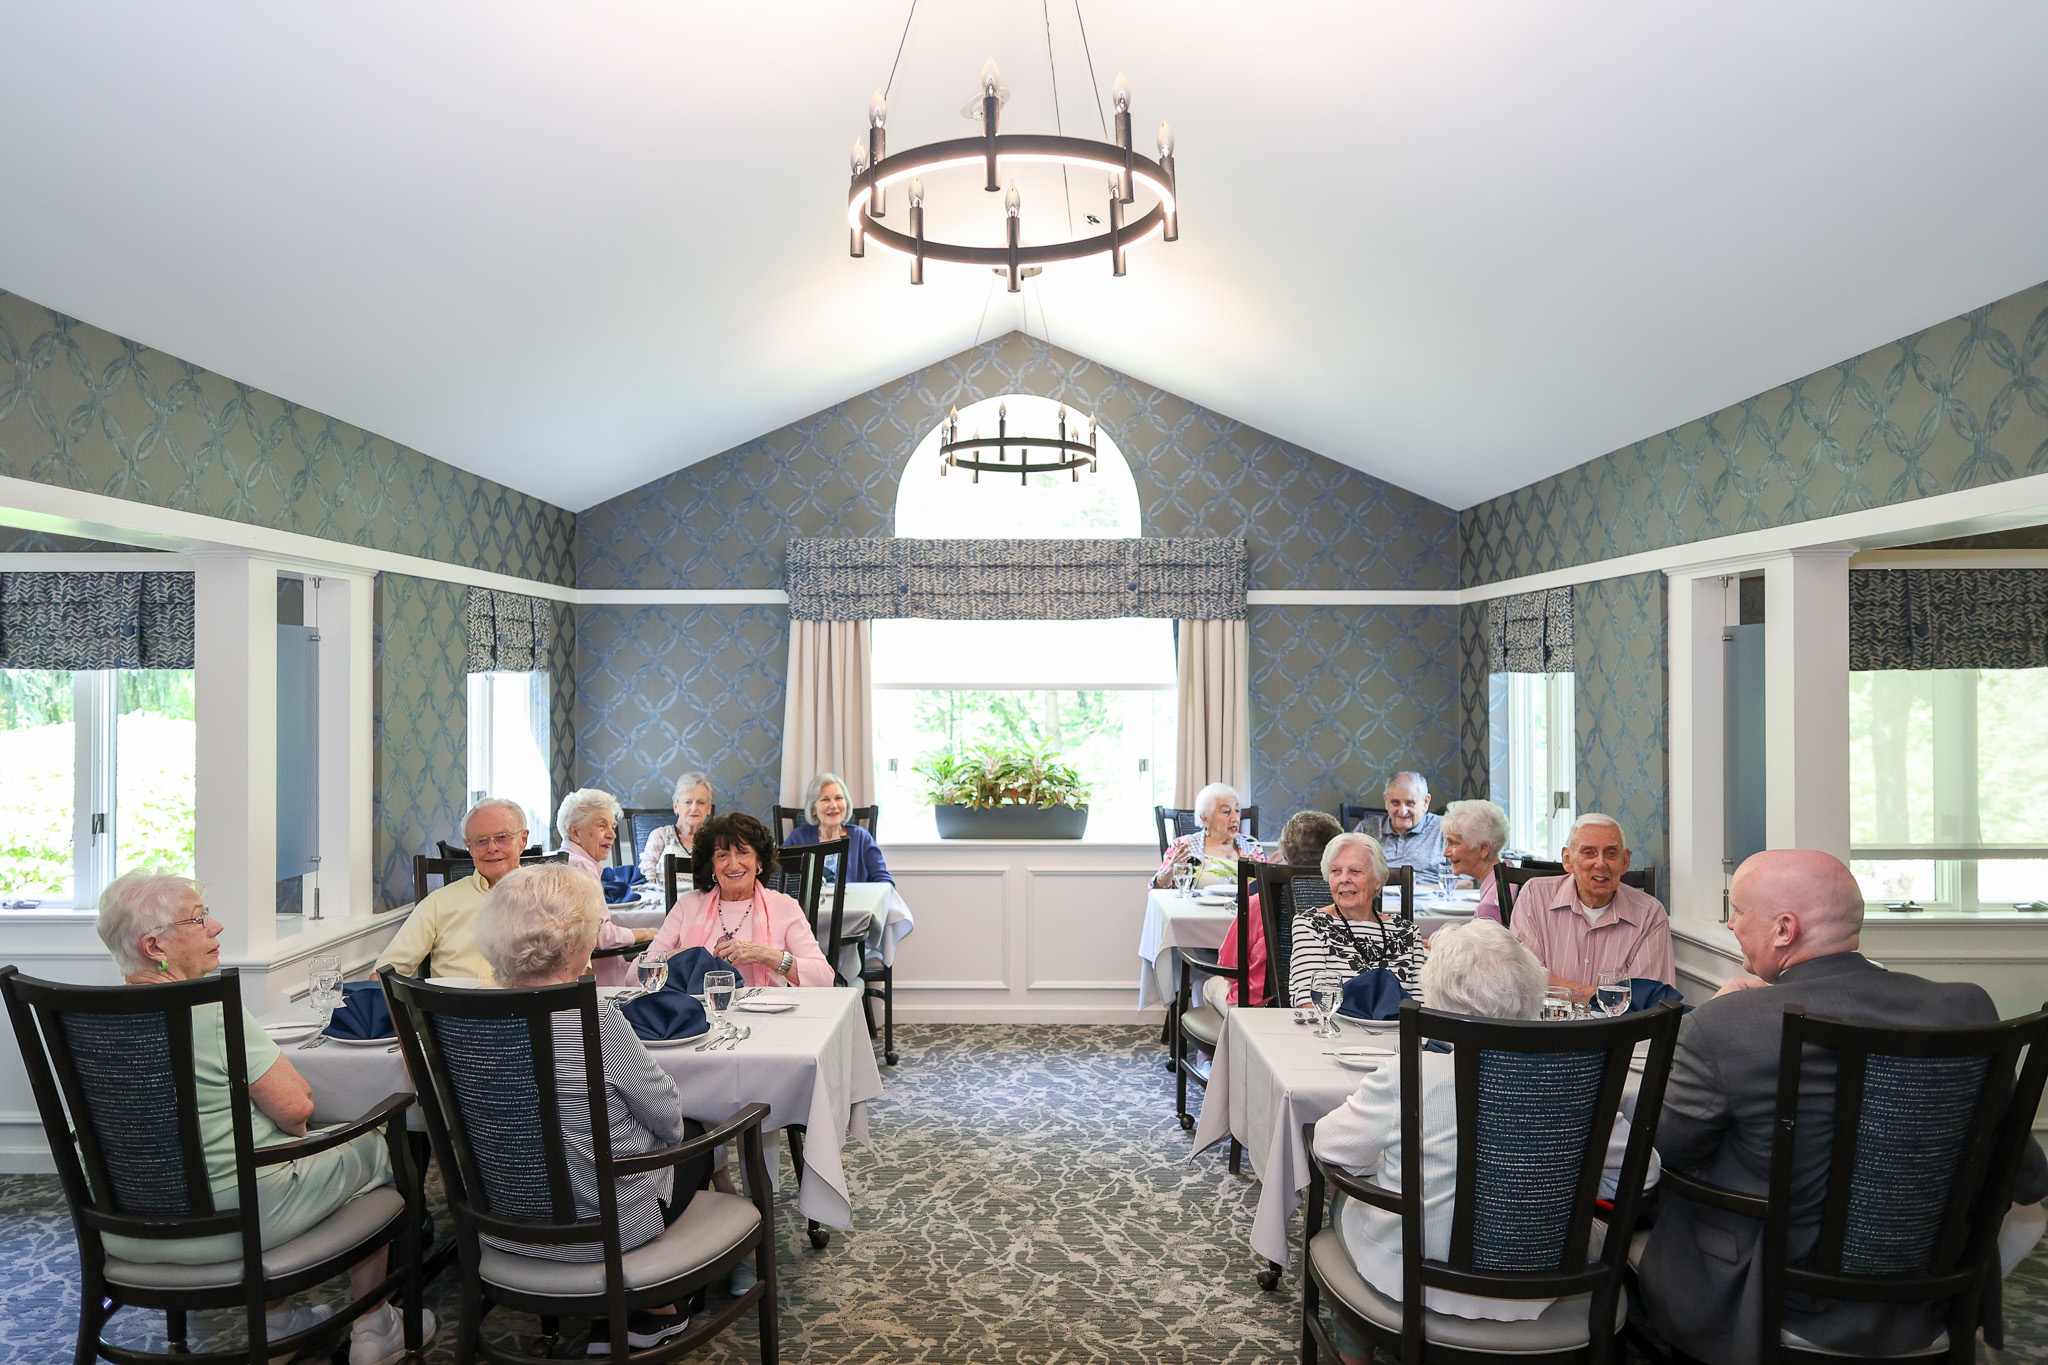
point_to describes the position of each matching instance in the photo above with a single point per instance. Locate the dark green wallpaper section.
(1961, 404)
(421, 765)
(82, 408)
(1622, 748)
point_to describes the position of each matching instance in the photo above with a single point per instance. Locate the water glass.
(1557, 1003)
(1184, 878)
(653, 969)
(718, 989)
(1613, 994)
(1326, 994)
(323, 978)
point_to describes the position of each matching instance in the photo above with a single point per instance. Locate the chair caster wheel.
(1187, 1122)
(1269, 1278)
(889, 1057)
(819, 1237)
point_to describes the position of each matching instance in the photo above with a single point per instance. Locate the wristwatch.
(788, 961)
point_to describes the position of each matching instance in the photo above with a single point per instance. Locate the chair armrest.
(753, 1116)
(1361, 1190)
(1688, 1186)
(619, 950)
(390, 1108)
(1212, 968)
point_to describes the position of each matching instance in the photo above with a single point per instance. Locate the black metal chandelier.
(1071, 455)
(874, 172)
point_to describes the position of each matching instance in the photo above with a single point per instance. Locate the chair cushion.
(1203, 1024)
(712, 1225)
(346, 1228)
(1561, 1327)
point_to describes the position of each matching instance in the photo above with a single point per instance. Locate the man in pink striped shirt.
(1587, 922)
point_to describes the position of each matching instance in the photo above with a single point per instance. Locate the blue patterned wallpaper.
(422, 722)
(662, 690)
(83, 408)
(1475, 719)
(1623, 750)
(1310, 522)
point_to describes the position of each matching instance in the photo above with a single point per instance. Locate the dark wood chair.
(112, 1072)
(1509, 881)
(1536, 1103)
(1171, 822)
(785, 820)
(1401, 882)
(636, 828)
(1285, 891)
(800, 875)
(1926, 1129)
(675, 878)
(1201, 1023)
(491, 1101)
(454, 869)
(1349, 815)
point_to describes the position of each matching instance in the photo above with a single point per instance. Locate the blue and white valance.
(1948, 618)
(509, 632)
(1016, 580)
(96, 620)
(1531, 632)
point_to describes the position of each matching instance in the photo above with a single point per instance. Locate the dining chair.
(112, 1071)
(785, 820)
(675, 878)
(1284, 891)
(1183, 822)
(1926, 1128)
(455, 869)
(492, 1104)
(1203, 1023)
(1402, 881)
(1535, 1106)
(800, 875)
(636, 829)
(1349, 815)
(1509, 881)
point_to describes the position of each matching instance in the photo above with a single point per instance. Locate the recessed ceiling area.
(1461, 247)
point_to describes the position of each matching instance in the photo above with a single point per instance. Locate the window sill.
(1878, 914)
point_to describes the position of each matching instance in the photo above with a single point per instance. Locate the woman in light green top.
(1214, 849)
(157, 929)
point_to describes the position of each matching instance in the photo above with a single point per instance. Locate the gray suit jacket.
(1702, 1272)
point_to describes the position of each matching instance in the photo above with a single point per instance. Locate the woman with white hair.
(1481, 971)
(1351, 934)
(588, 821)
(693, 804)
(826, 802)
(157, 929)
(1474, 834)
(1212, 850)
(538, 928)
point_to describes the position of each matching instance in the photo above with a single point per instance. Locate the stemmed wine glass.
(1612, 994)
(718, 989)
(1326, 992)
(323, 978)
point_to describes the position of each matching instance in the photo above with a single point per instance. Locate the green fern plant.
(991, 775)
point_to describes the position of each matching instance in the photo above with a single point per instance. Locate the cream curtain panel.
(1213, 687)
(827, 722)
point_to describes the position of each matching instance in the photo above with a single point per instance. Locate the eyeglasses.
(512, 840)
(199, 918)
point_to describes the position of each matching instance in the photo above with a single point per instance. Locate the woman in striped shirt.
(1351, 935)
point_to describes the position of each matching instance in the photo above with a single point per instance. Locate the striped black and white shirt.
(1327, 945)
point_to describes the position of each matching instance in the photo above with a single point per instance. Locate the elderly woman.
(693, 802)
(1302, 841)
(157, 929)
(826, 802)
(537, 928)
(1474, 834)
(761, 932)
(1351, 935)
(588, 821)
(1477, 970)
(1212, 850)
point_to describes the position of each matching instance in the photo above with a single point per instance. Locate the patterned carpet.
(1027, 1198)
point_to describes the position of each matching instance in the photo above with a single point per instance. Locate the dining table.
(876, 919)
(811, 1065)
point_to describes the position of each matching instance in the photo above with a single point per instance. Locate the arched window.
(953, 506)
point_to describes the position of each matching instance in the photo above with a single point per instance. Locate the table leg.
(1269, 1278)
(819, 1236)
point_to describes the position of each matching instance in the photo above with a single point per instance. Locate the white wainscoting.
(1021, 931)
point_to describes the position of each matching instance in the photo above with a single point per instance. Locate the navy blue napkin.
(1647, 992)
(674, 1011)
(1373, 994)
(619, 883)
(689, 966)
(363, 1013)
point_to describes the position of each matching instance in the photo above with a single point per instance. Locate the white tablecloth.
(875, 912)
(811, 1066)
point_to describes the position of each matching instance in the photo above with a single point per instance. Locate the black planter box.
(1011, 822)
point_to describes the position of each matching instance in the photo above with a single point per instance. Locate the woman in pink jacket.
(761, 932)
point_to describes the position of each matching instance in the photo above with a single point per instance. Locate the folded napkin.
(619, 883)
(363, 1013)
(1647, 992)
(1374, 994)
(674, 1011)
(689, 966)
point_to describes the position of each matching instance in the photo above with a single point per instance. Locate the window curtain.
(96, 620)
(509, 632)
(827, 721)
(1214, 693)
(1531, 632)
(1948, 618)
(1016, 580)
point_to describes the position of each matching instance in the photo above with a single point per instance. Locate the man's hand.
(1581, 994)
(1739, 983)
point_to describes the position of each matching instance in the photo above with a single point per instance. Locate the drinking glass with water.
(323, 978)
(1557, 1003)
(718, 989)
(1612, 995)
(1326, 993)
(653, 969)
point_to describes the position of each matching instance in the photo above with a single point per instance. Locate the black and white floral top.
(1326, 944)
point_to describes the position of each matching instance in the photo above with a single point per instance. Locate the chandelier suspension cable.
(1093, 82)
(1045, 9)
(890, 84)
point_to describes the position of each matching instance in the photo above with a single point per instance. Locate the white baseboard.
(1011, 1014)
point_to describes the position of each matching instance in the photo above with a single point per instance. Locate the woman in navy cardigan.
(825, 801)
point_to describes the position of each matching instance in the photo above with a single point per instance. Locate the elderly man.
(1586, 922)
(1410, 835)
(1798, 916)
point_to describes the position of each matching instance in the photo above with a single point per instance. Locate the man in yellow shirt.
(442, 927)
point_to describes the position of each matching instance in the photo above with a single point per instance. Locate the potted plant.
(1005, 792)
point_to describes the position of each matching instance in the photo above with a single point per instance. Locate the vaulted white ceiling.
(1458, 245)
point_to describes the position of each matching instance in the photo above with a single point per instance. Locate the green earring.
(163, 964)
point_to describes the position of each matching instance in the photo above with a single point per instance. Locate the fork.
(315, 1041)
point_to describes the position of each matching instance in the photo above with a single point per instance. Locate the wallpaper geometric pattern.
(1961, 404)
(663, 690)
(1622, 745)
(1310, 522)
(1475, 759)
(83, 408)
(1343, 697)
(422, 724)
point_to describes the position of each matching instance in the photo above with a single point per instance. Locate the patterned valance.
(1016, 580)
(1948, 618)
(96, 620)
(508, 631)
(1530, 633)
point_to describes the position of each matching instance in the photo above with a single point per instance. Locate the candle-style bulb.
(954, 417)
(1003, 411)
(1165, 139)
(1012, 205)
(991, 79)
(878, 110)
(860, 158)
(1120, 94)
(916, 193)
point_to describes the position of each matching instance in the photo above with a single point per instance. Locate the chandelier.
(875, 173)
(1069, 455)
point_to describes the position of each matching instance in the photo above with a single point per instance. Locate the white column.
(1698, 613)
(341, 607)
(235, 778)
(1806, 706)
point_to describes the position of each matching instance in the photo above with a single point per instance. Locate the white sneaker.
(744, 1277)
(379, 1338)
(290, 1320)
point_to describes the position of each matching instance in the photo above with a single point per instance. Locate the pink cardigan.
(608, 971)
(773, 919)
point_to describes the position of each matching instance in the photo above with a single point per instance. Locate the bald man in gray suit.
(1798, 916)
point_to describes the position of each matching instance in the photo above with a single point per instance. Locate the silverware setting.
(315, 1041)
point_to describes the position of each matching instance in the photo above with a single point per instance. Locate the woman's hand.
(744, 952)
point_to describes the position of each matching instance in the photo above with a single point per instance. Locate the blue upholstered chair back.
(1535, 1111)
(641, 826)
(489, 1065)
(1911, 1136)
(1308, 893)
(130, 1111)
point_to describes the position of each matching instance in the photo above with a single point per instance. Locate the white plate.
(1370, 1025)
(1361, 1058)
(296, 1031)
(1226, 897)
(693, 1040)
(364, 1042)
(459, 982)
(765, 1006)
